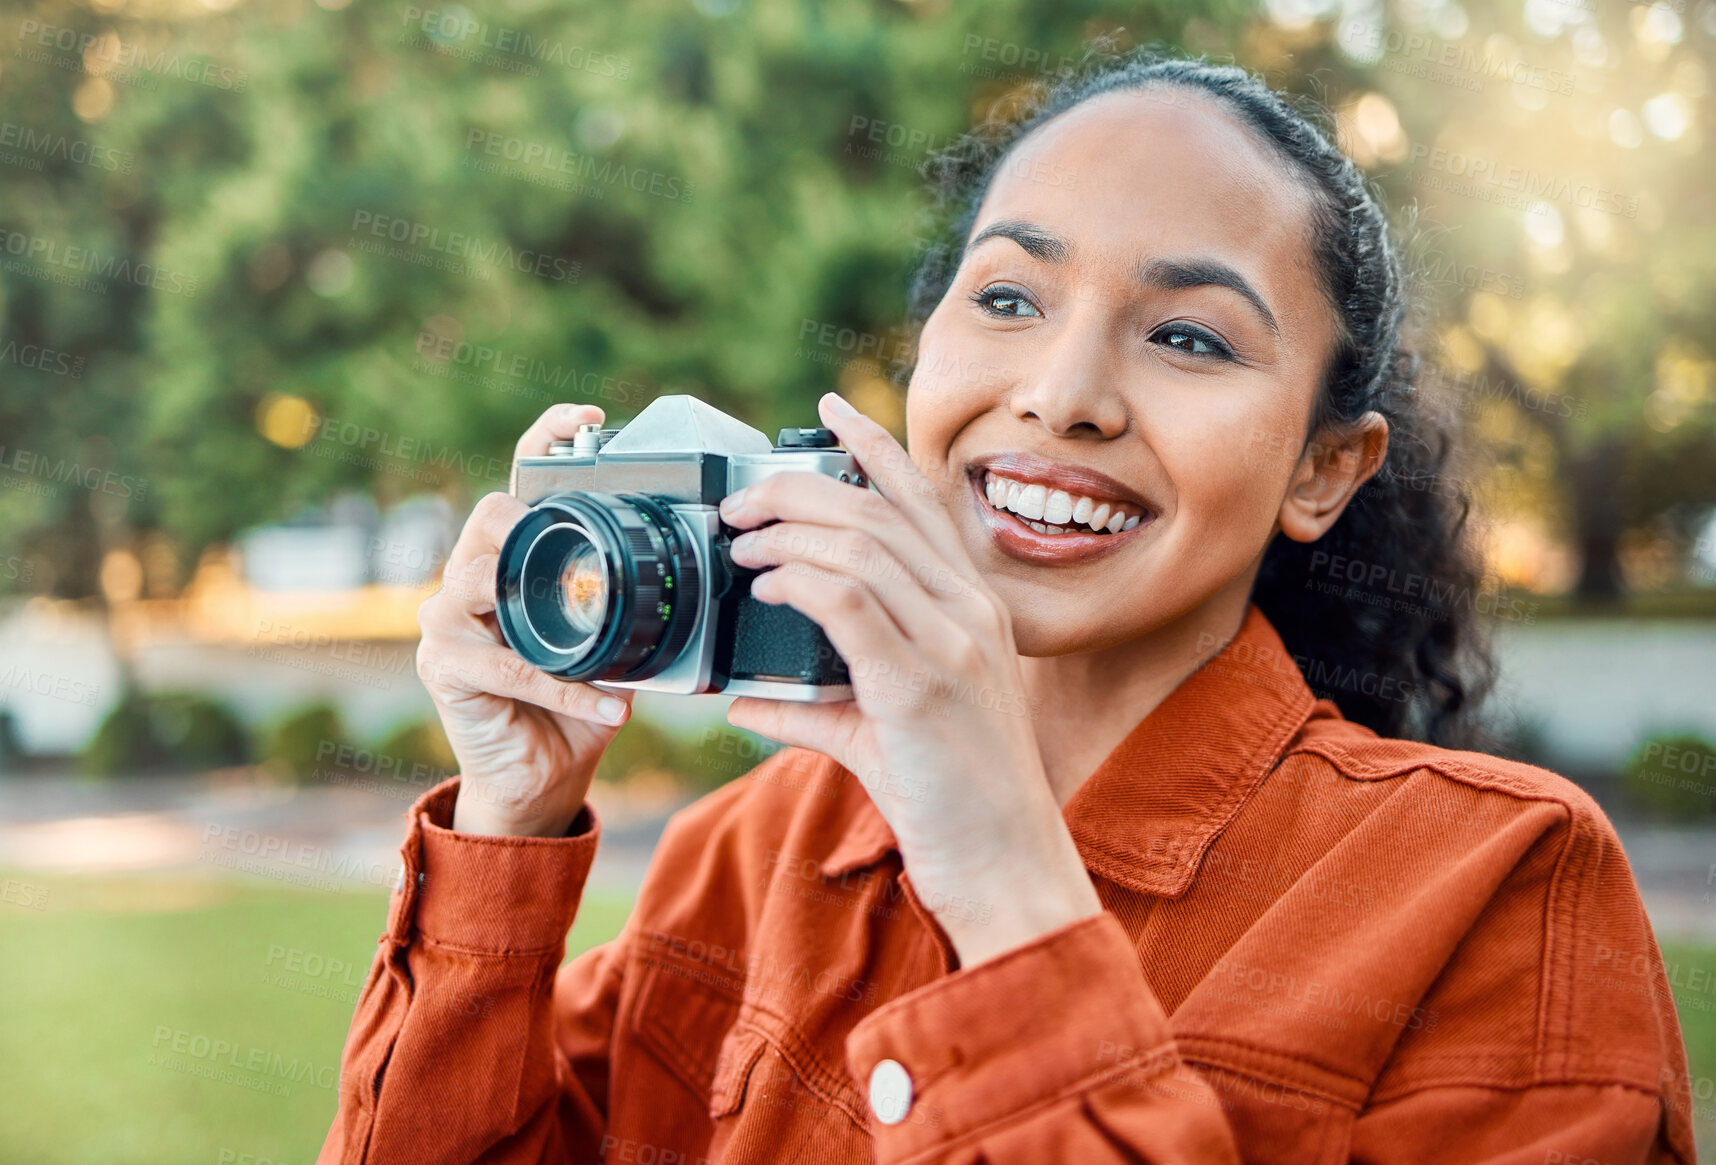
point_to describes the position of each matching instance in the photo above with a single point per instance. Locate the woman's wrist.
(1026, 915)
(491, 810)
(988, 911)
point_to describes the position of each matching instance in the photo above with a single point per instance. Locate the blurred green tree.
(258, 254)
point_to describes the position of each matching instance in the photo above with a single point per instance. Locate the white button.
(890, 1091)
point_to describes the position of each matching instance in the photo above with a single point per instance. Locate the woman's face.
(1136, 321)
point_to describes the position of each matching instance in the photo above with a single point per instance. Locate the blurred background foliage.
(610, 202)
(260, 256)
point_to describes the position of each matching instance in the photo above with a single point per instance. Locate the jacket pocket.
(767, 1072)
(739, 1054)
(683, 1020)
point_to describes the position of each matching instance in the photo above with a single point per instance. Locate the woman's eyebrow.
(1179, 274)
(1038, 243)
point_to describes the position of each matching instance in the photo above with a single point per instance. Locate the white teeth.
(1054, 511)
(1058, 508)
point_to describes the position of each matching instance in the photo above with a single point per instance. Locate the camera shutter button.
(806, 439)
(587, 440)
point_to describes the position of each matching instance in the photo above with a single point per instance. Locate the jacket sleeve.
(455, 1052)
(1057, 1050)
(1598, 1073)
(1554, 1124)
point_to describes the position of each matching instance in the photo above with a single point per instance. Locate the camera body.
(621, 573)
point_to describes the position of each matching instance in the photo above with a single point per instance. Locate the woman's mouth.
(1039, 522)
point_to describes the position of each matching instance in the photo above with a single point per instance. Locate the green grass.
(1698, 1024)
(88, 984)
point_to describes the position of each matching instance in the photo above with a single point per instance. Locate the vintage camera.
(621, 572)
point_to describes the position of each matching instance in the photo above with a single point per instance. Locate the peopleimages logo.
(1484, 179)
(1372, 38)
(544, 162)
(52, 253)
(94, 478)
(459, 245)
(451, 32)
(113, 54)
(42, 359)
(15, 677)
(232, 1054)
(59, 148)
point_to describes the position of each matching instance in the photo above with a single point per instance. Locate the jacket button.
(890, 1091)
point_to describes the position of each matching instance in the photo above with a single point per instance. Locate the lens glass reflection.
(566, 588)
(584, 589)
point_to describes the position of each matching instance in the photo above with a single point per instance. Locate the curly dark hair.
(1416, 666)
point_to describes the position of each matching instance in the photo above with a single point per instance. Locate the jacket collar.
(1148, 814)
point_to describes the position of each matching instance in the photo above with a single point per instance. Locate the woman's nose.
(1072, 393)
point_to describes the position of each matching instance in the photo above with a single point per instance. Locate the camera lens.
(594, 586)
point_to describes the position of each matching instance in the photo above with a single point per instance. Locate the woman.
(1086, 872)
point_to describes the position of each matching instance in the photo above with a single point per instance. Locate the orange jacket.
(1317, 946)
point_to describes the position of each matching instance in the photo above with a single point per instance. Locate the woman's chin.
(1042, 634)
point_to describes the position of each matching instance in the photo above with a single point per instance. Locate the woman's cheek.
(1225, 506)
(952, 378)
(1250, 452)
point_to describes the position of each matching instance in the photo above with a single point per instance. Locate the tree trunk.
(1598, 507)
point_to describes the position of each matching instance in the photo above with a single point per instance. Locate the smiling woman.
(1198, 203)
(1087, 870)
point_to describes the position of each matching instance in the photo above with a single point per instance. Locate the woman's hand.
(527, 743)
(940, 731)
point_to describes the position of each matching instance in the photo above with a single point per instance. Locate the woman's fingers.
(573, 723)
(830, 729)
(891, 469)
(844, 557)
(887, 670)
(559, 423)
(468, 576)
(465, 593)
(816, 500)
(492, 518)
(469, 666)
(495, 514)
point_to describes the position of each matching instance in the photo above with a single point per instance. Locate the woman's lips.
(1018, 540)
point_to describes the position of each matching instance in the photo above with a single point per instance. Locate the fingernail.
(610, 709)
(732, 502)
(837, 405)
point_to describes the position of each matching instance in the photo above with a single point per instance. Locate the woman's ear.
(1335, 463)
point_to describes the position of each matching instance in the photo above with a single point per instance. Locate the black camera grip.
(772, 641)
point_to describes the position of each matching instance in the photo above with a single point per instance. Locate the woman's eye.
(1005, 301)
(1192, 341)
